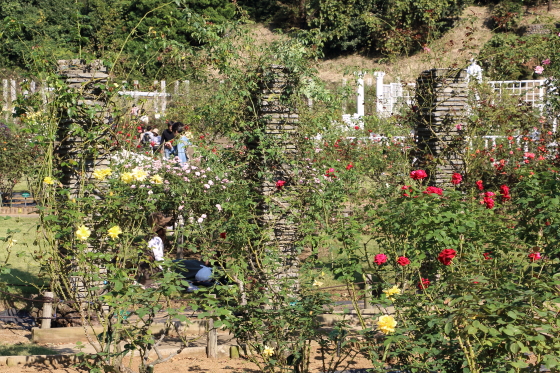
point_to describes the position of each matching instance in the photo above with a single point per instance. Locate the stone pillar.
(78, 159)
(442, 96)
(279, 122)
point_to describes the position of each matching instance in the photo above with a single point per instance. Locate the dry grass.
(455, 48)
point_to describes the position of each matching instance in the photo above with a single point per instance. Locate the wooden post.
(13, 93)
(212, 338)
(368, 279)
(5, 94)
(186, 88)
(44, 94)
(344, 102)
(155, 98)
(47, 311)
(163, 97)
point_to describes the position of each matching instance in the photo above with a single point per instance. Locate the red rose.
(433, 190)
(423, 284)
(479, 185)
(356, 127)
(487, 256)
(380, 259)
(403, 261)
(489, 202)
(418, 175)
(223, 235)
(280, 184)
(504, 191)
(406, 188)
(456, 179)
(350, 166)
(446, 256)
(534, 256)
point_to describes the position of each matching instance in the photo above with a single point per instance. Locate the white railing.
(390, 96)
(154, 100)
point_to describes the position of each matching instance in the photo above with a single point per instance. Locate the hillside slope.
(463, 42)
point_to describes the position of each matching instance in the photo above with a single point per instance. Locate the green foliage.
(477, 310)
(147, 36)
(17, 153)
(506, 15)
(512, 57)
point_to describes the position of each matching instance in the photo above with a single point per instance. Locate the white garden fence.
(153, 101)
(392, 95)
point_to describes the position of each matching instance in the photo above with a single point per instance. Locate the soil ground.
(180, 363)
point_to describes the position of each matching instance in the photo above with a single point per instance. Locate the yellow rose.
(386, 324)
(83, 233)
(102, 173)
(156, 179)
(127, 177)
(139, 174)
(48, 180)
(268, 351)
(114, 232)
(392, 291)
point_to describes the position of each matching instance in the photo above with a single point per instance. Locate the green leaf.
(514, 348)
(447, 328)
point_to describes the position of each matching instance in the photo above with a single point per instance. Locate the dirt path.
(180, 363)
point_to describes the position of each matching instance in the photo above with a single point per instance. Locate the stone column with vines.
(442, 97)
(278, 120)
(83, 138)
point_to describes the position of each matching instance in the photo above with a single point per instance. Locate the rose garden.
(449, 239)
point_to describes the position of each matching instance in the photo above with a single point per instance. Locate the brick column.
(279, 121)
(76, 158)
(442, 96)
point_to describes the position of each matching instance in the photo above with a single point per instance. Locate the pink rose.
(280, 184)
(433, 190)
(539, 69)
(534, 256)
(418, 175)
(380, 259)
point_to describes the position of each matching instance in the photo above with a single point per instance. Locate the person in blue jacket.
(181, 142)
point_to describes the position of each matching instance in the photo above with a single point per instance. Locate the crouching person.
(149, 267)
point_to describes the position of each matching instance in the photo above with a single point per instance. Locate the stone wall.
(442, 96)
(537, 29)
(279, 122)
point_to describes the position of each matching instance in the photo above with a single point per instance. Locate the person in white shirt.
(156, 248)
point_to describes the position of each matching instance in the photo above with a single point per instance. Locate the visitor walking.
(167, 137)
(182, 142)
